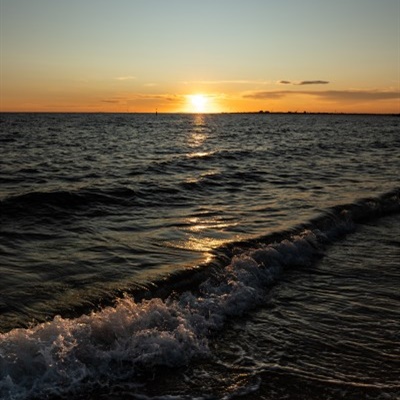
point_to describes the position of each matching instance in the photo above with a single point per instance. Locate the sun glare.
(198, 102)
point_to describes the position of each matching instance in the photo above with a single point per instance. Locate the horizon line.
(261, 112)
(264, 113)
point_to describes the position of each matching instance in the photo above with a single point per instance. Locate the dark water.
(199, 256)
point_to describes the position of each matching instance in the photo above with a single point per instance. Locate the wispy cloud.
(271, 94)
(114, 100)
(230, 82)
(313, 82)
(144, 97)
(125, 78)
(360, 95)
(161, 96)
(110, 101)
(329, 95)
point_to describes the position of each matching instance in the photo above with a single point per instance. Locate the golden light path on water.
(207, 232)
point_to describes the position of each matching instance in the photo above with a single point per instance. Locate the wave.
(171, 323)
(196, 160)
(62, 203)
(99, 200)
(65, 198)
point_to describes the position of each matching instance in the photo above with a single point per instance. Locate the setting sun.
(198, 103)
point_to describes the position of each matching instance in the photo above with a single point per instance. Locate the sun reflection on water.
(198, 225)
(199, 133)
(196, 139)
(200, 154)
(204, 235)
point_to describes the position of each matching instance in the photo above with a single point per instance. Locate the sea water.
(199, 256)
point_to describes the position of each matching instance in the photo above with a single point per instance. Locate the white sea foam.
(63, 355)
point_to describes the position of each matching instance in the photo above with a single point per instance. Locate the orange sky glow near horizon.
(200, 57)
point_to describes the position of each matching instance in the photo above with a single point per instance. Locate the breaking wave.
(131, 337)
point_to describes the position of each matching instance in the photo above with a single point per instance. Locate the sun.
(198, 102)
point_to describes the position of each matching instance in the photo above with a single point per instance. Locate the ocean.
(179, 256)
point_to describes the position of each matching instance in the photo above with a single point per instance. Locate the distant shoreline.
(308, 113)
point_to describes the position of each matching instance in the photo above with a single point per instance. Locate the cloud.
(125, 78)
(230, 82)
(150, 97)
(360, 95)
(114, 100)
(328, 95)
(143, 101)
(143, 97)
(272, 94)
(314, 82)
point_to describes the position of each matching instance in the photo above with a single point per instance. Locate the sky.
(200, 55)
